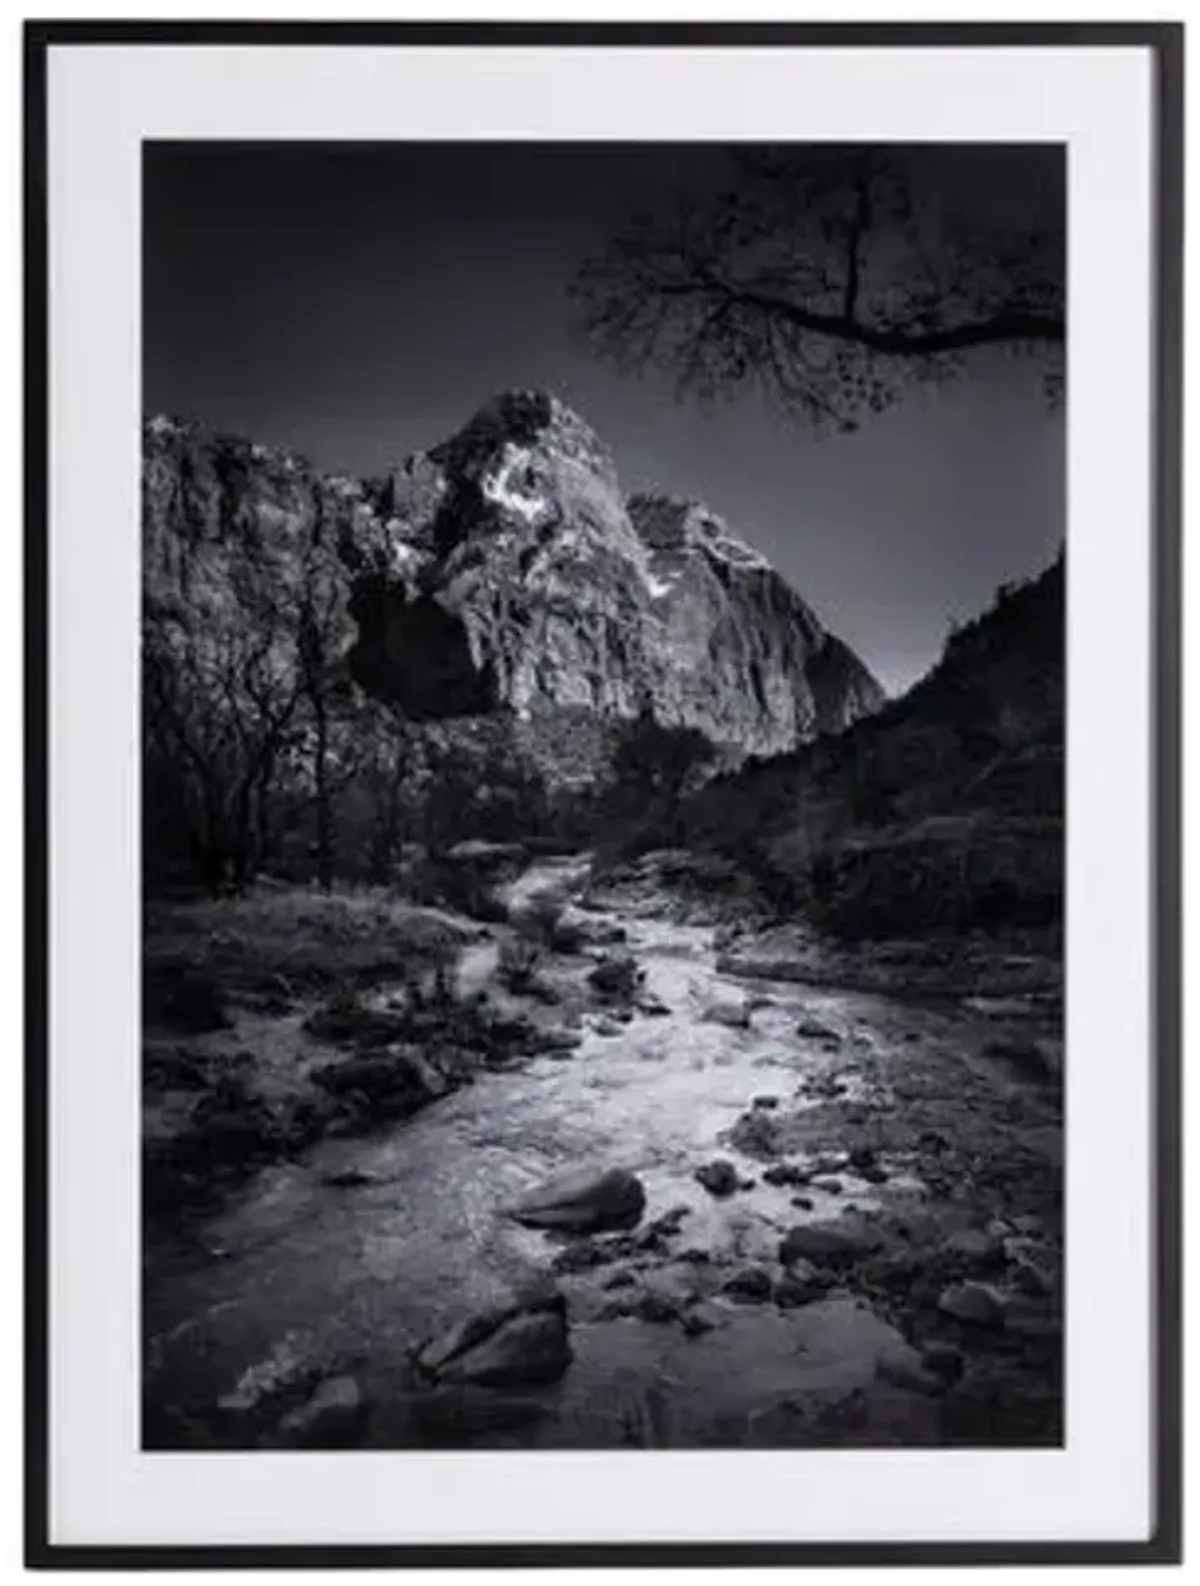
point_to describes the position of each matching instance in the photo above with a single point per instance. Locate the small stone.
(785, 1173)
(752, 1284)
(769, 1102)
(1029, 1280)
(719, 1177)
(831, 1186)
(617, 975)
(695, 1323)
(670, 1222)
(734, 1015)
(799, 1285)
(813, 1030)
(756, 1134)
(803, 1203)
(644, 1307)
(695, 1256)
(974, 1250)
(832, 1162)
(974, 1303)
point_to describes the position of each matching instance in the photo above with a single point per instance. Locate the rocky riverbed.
(719, 1200)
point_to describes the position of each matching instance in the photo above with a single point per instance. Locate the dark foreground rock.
(522, 1344)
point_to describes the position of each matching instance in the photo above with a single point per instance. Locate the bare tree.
(220, 709)
(831, 279)
(323, 682)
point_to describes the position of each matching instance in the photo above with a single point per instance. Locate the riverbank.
(747, 1107)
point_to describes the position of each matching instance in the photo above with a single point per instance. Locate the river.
(300, 1280)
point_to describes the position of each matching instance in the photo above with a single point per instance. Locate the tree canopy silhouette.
(832, 278)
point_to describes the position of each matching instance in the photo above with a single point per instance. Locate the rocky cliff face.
(504, 569)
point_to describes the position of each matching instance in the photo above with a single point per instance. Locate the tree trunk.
(321, 783)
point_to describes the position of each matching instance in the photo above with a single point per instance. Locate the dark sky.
(358, 303)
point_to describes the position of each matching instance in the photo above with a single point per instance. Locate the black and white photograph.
(602, 662)
(603, 766)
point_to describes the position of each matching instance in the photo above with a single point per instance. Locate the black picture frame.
(1166, 42)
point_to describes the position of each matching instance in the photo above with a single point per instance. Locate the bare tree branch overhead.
(832, 279)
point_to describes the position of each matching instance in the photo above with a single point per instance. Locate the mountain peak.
(505, 569)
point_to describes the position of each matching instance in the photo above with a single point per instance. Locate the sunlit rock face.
(744, 657)
(568, 595)
(505, 568)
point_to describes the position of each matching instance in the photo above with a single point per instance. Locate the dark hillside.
(943, 809)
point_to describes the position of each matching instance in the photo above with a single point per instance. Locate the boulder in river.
(617, 976)
(734, 1014)
(719, 1178)
(587, 1200)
